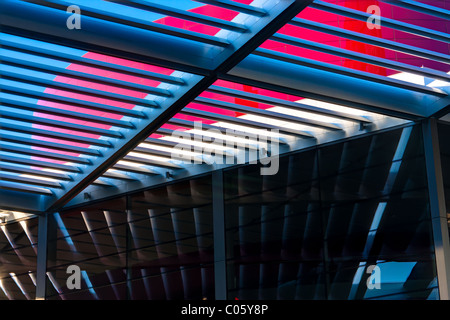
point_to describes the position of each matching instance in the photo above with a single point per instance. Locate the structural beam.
(41, 264)
(183, 14)
(220, 265)
(437, 206)
(236, 6)
(14, 201)
(322, 85)
(356, 74)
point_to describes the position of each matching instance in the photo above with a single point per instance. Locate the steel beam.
(219, 235)
(41, 265)
(236, 6)
(20, 201)
(46, 253)
(183, 14)
(372, 78)
(330, 87)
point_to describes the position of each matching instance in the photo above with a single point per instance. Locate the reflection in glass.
(155, 244)
(331, 216)
(18, 248)
(348, 220)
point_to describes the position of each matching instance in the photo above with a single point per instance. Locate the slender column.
(220, 271)
(41, 257)
(437, 206)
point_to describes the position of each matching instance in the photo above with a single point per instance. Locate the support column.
(42, 257)
(220, 270)
(437, 206)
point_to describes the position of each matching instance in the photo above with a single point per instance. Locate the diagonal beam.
(219, 61)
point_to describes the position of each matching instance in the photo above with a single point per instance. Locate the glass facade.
(444, 148)
(348, 220)
(18, 252)
(329, 217)
(156, 244)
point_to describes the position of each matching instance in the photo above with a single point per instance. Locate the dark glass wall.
(444, 147)
(18, 248)
(331, 215)
(171, 250)
(155, 244)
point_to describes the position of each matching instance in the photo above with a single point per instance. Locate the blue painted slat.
(61, 68)
(37, 92)
(58, 124)
(182, 14)
(33, 163)
(78, 56)
(42, 154)
(25, 103)
(51, 134)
